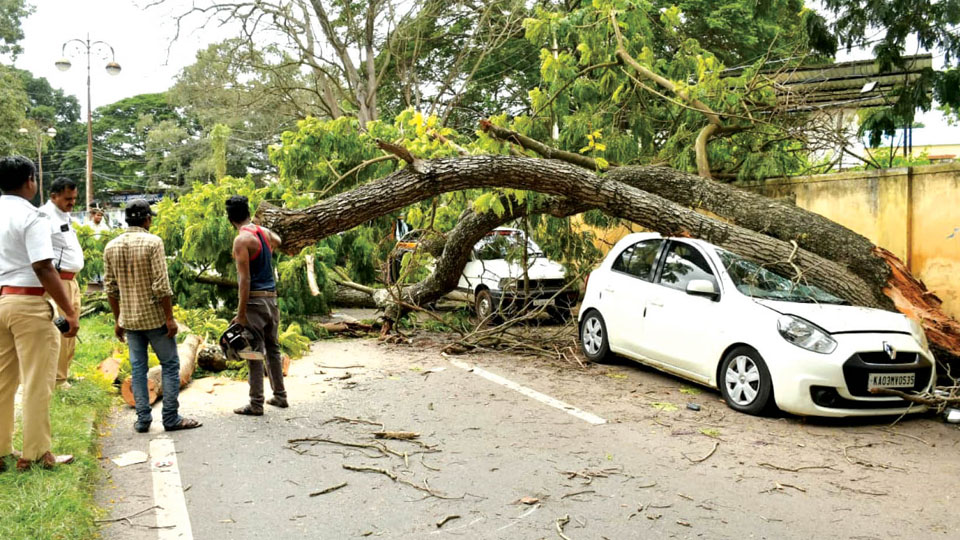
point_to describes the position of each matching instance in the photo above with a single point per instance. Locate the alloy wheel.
(743, 380)
(592, 336)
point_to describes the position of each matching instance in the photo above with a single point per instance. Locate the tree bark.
(429, 178)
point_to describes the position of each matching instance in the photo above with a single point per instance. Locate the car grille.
(857, 370)
(542, 284)
(881, 357)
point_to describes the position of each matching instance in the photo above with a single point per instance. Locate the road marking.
(542, 398)
(168, 492)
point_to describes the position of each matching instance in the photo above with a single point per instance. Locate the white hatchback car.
(701, 312)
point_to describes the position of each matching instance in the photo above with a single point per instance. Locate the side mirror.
(702, 287)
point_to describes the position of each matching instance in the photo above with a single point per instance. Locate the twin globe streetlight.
(112, 67)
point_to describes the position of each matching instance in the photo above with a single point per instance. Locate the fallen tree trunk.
(187, 352)
(423, 179)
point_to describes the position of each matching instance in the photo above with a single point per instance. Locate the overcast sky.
(141, 39)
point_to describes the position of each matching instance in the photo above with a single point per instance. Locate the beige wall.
(909, 211)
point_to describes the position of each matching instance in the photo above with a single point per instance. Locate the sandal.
(249, 410)
(278, 402)
(185, 423)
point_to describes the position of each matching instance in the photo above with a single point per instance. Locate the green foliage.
(204, 322)
(11, 13)
(58, 504)
(293, 342)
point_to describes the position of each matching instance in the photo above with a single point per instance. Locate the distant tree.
(887, 26)
(11, 13)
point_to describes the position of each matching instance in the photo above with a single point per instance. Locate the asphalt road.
(492, 462)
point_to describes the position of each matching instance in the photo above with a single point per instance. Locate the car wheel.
(483, 306)
(593, 337)
(745, 381)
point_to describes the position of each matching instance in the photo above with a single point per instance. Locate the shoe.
(249, 410)
(185, 423)
(47, 461)
(64, 385)
(278, 402)
(141, 427)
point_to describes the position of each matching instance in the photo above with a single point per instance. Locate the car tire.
(593, 337)
(483, 307)
(745, 382)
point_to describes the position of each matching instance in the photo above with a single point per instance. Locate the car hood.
(835, 319)
(540, 268)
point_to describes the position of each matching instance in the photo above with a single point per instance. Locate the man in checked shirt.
(138, 289)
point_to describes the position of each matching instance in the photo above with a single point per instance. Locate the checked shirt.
(136, 272)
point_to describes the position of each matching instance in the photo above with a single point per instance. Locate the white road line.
(168, 492)
(543, 398)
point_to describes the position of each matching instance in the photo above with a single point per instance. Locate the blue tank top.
(261, 264)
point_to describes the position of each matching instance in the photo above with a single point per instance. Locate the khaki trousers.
(29, 345)
(68, 345)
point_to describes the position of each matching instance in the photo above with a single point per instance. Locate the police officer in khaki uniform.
(29, 341)
(68, 260)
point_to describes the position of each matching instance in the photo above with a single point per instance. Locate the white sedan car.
(708, 315)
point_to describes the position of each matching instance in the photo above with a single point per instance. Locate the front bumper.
(511, 300)
(808, 383)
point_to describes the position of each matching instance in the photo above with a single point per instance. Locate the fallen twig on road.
(561, 523)
(860, 491)
(798, 469)
(716, 445)
(382, 448)
(865, 463)
(578, 493)
(780, 487)
(395, 478)
(127, 518)
(589, 475)
(328, 490)
(397, 435)
(444, 521)
(353, 421)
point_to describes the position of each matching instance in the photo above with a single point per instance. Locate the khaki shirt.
(135, 271)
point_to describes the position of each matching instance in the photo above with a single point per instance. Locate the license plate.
(891, 380)
(543, 302)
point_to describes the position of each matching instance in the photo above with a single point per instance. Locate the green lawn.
(57, 504)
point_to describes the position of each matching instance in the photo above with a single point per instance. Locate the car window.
(758, 282)
(639, 259)
(684, 263)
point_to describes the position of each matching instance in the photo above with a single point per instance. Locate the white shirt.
(66, 246)
(24, 240)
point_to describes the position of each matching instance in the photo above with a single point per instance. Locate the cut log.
(153, 387)
(187, 351)
(286, 365)
(211, 358)
(110, 369)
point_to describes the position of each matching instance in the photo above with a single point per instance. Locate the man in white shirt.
(68, 259)
(97, 223)
(29, 341)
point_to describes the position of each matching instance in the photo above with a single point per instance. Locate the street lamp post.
(112, 67)
(50, 132)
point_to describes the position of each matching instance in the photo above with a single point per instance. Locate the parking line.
(542, 398)
(172, 516)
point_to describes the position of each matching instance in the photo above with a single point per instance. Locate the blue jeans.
(166, 350)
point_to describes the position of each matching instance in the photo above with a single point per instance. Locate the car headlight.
(508, 284)
(805, 334)
(920, 334)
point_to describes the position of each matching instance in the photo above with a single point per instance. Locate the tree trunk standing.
(424, 179)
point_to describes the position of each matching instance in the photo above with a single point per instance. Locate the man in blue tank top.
(257, 304)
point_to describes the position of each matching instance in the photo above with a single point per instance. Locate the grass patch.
(59, 504)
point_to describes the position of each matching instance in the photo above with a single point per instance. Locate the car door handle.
(656, 303)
